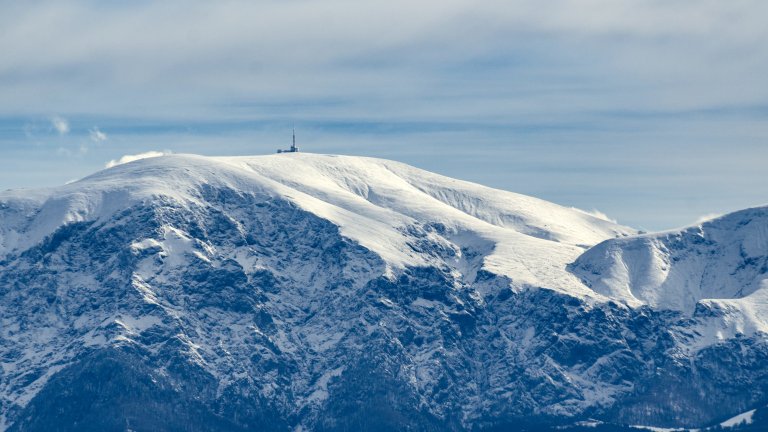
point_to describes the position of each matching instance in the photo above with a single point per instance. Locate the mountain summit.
(312, 292)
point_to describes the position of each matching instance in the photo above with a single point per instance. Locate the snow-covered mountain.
(310, 292)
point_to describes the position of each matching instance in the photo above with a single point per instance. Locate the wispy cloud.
(130, 158)
(60, 125)
(96, 135)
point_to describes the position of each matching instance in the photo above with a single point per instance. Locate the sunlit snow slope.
(723, 259)
(373, 201)
(718, 268)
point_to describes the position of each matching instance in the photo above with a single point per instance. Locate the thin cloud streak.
(636, 54)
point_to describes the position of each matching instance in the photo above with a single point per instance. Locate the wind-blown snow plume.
(706, 217)
(598, 214)
(130, 158)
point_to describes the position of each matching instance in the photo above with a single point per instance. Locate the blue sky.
(653, 112)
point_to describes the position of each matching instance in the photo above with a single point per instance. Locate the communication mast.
(293, 148)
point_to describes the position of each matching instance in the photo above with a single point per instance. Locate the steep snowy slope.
(721, 263)
(300, 291)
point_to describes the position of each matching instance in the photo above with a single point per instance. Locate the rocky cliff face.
(305, 292)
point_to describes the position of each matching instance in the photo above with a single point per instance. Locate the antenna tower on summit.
(293, 148)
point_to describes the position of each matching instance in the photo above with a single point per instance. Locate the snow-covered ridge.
(724, 258)
(720, 264)
(373, 201)
(719, 267)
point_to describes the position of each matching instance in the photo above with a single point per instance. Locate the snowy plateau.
(301, 292)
